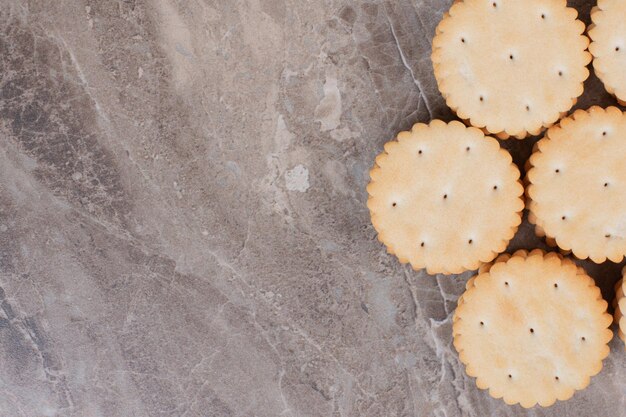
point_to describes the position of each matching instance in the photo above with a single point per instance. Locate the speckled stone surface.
(183, 229)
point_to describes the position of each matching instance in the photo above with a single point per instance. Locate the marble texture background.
(183, 229)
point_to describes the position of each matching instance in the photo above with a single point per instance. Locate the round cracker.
(578, 184)
(608, 46)
(532, 329)
(445, 197)
(511, 67)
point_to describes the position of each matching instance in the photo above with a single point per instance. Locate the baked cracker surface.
(445, 220)
(512, 67)
(608, 46)
(577, 184)
(532, 329)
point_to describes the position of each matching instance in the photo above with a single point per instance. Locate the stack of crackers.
(532, 327)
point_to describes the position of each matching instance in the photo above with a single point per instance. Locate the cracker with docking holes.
(511, 67)
(608, 46)
(619, 304)
(445, 197)
(532, 328)
(577, 184)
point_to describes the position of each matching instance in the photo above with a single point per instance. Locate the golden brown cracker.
(445, 197)
(511, 67)
(532, 329)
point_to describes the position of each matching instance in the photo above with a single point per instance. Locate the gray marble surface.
(183, 229)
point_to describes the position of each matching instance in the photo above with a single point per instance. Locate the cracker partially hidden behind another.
(532, 328)
(445, 197)
(511, 67)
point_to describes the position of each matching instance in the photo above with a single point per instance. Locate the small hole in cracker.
(445, 196)
(617, 49)
(511, 56)
(583, 338)
(563, 217)
(560, 73)
(557, 170)
(495, 187)
(463, 40)
(604, 133)
(422, 244)
(482, 323)
(556, 285)
(510, 376)
(494, 4)
(608, 235)
(467, 149)
(419, 152)
(556, 378)
(481, 98)
(506, 283)
(543, 16)
(532, 330)
(606, 184)
(527, 108)
(470, 241)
